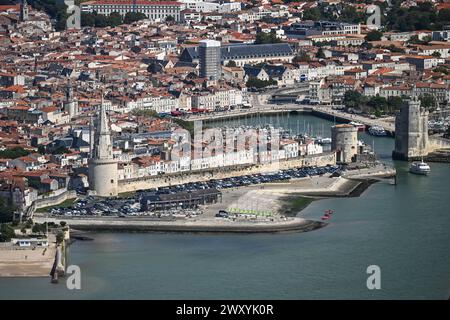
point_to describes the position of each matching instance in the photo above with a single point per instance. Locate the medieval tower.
(23, 10)
(102, 166)
(411, 132)
(70, 103)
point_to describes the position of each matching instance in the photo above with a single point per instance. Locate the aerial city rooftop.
(97, 107)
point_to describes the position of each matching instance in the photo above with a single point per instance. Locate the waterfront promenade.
(276, 198)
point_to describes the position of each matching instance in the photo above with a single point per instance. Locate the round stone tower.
(102, 166)
(344, 140)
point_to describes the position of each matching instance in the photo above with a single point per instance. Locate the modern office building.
(210, 59)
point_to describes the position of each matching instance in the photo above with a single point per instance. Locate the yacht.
(419, 168)
(377, 131)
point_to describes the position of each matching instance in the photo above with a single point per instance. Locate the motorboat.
(323, 141)
(419, 167)
(377, 131)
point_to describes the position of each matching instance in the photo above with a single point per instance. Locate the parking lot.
(130, 207)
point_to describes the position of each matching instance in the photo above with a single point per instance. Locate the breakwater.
(192, 225)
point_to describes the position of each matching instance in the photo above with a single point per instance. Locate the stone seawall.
(55, 200)
(200, 225)
(224, 172)
(436, 143)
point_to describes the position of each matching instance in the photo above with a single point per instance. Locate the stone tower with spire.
(103, 173)
(24, 10)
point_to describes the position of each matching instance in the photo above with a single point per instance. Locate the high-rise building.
(103, 173)
(209, 59)
(411, 131)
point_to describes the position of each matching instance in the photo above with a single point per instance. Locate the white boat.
(360, 126)
(377, 131)
(323, 141)
(419, 168)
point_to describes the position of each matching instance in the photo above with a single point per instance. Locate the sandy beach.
(15, 262)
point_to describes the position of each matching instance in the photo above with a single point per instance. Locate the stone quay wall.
(55, 200)
(436, 143)
(144, 183)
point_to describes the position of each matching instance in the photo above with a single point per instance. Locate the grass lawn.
(64, 204)
(126, 194)
(295, 204)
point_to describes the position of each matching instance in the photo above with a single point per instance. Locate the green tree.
(254, 82)
(436, 54)
(131, 17)
(427, 101)
(114, 19)
(231, 63)
(101, 21)
(170, 19)
(378, 103)
(374, 35)
(353, 99)
(145, 113)
(55, 9)
(14, 153)
(59, 237)
(87, 19)
(29, 223)
(442, 69)
(6, 211)
(61, 150)
(320, 54)
(36, 228)
(263, 38)
(41, 149)
(394, 103)
(6, 233)
(312, 14)
(350, 14)
(186, 125)
(301, 57)
(420, 17)
(442, 19)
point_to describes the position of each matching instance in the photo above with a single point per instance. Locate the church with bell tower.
(23, 11)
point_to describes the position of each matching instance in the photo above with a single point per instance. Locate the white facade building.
(154, 10)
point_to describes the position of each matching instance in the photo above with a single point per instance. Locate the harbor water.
(403, 229)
